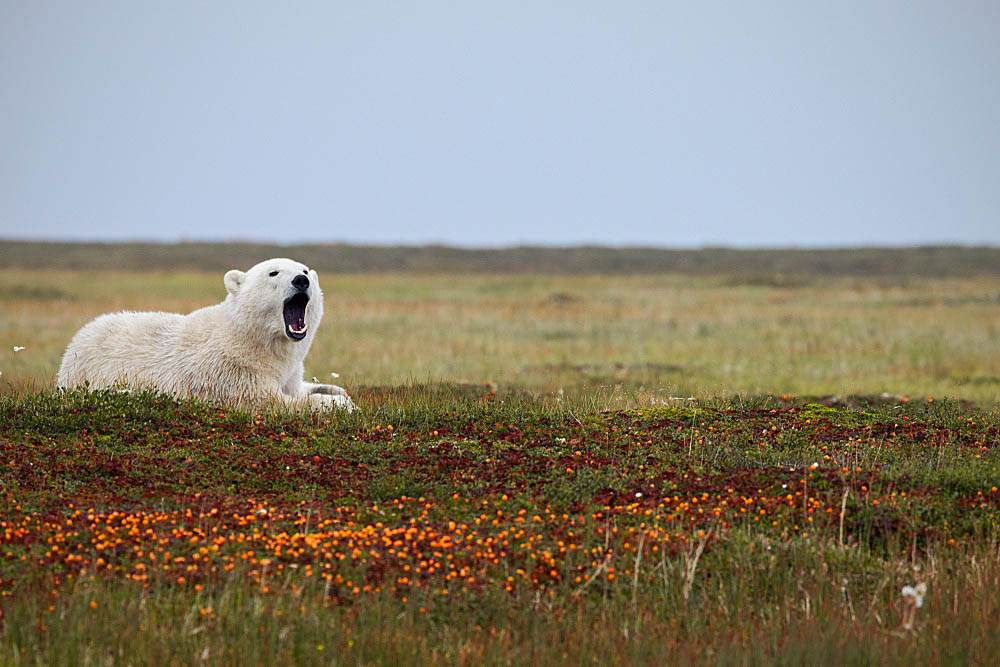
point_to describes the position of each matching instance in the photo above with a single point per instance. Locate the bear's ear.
(233, 280)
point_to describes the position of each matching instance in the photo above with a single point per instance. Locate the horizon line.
(510, 246)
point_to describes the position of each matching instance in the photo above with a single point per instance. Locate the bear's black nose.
(300, 282)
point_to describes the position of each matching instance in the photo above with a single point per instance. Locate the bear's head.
(278, 298)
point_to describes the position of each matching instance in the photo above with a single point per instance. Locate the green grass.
(495, 529)
(803, 621)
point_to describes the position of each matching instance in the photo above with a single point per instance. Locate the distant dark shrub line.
(767, 267)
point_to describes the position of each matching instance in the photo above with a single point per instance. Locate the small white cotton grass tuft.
(335, 375)
(915, 593)
(913, 599)
(18, 348)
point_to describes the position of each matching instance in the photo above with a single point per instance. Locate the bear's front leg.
(318, 401)
(326, 396)
(332, 389)
(319, 396)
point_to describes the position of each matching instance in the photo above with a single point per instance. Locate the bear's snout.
(300, 283)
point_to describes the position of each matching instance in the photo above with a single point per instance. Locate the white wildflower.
(913, 599)
(915, 593)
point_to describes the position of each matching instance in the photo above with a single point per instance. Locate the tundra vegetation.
(543, 468)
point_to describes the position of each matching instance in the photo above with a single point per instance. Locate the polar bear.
(246, 350)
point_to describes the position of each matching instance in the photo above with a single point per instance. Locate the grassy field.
(631, 339)
(432, 527)
(525, 480)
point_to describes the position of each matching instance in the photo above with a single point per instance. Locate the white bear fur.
(233, 353)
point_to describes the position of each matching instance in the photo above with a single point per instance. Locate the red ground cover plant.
(479, 499)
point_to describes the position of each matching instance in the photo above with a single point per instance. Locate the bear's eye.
(273, 273)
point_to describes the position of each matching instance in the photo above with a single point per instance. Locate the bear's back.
(121, 348)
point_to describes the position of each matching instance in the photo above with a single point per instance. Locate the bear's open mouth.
(295, 316)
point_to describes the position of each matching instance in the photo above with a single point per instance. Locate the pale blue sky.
(473, 123)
